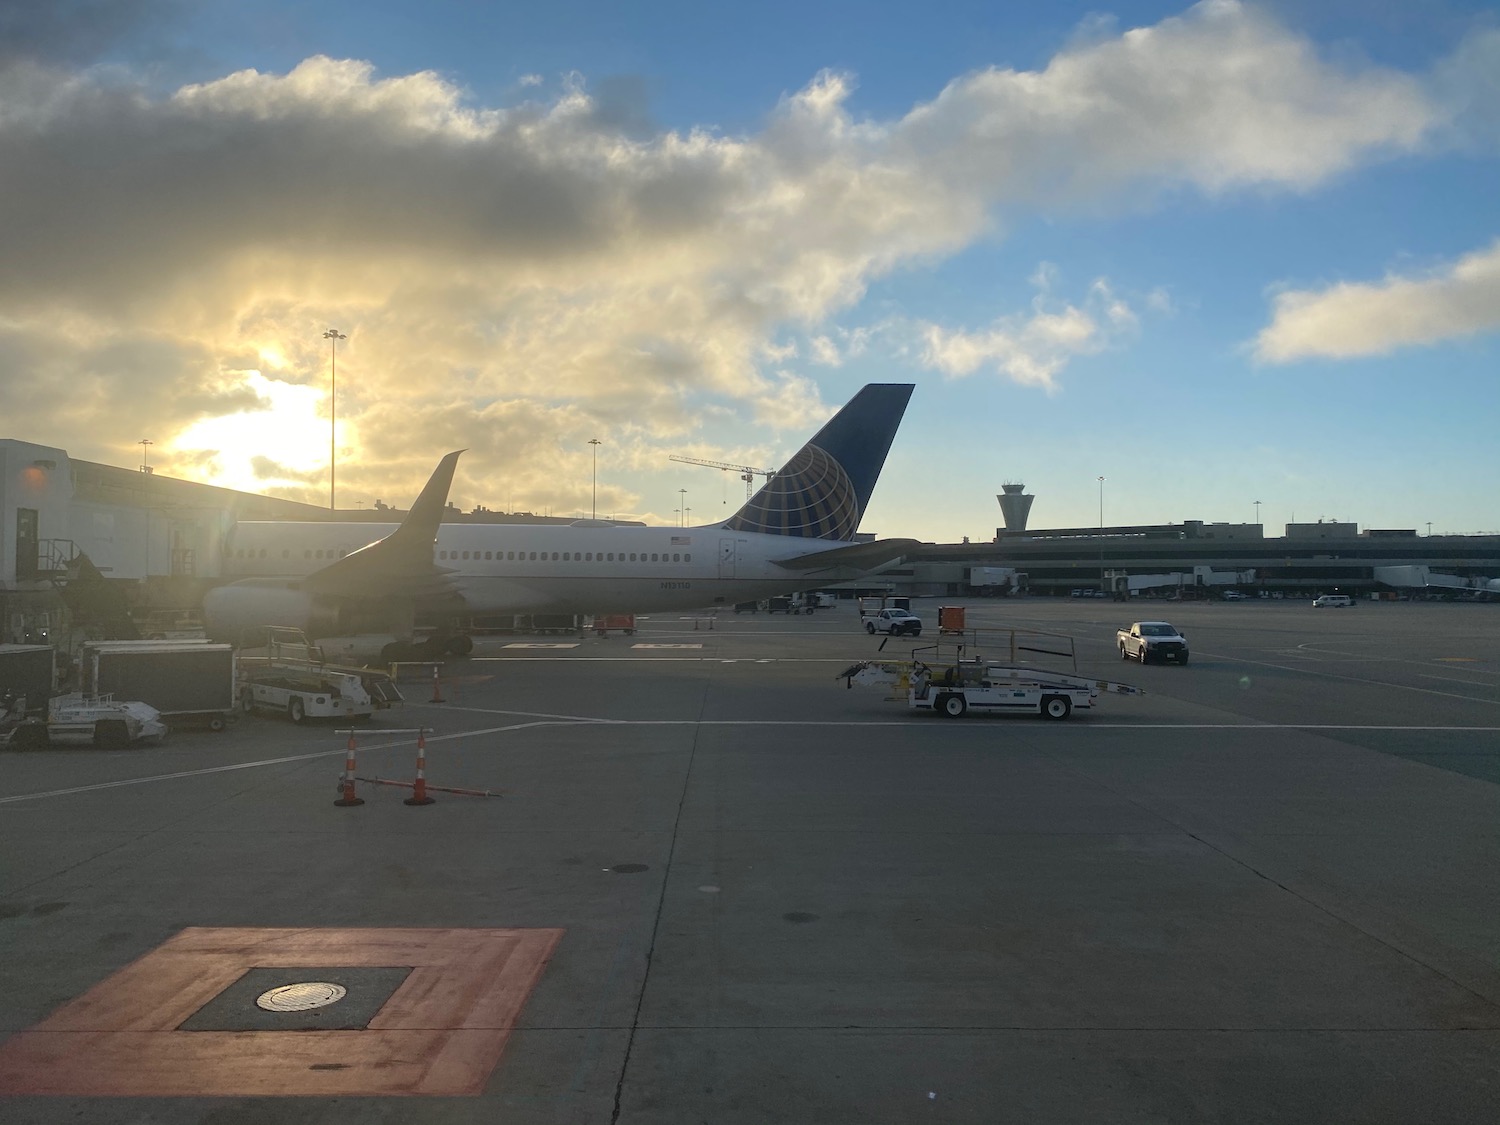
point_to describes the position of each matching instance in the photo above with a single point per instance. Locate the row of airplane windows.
(570, 556)
(503, 556)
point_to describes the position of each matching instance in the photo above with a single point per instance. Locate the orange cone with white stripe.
(348, 797)
(419, 789)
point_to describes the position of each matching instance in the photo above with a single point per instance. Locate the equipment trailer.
(1004, 689)
(944, 679)
(293, 679)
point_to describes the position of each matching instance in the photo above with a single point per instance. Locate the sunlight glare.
(290, 432)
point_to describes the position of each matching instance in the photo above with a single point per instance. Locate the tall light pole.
(333, 336)
(682, 508)
(594, 465)
(143, 443)
(1257, 511)
(1102, 584)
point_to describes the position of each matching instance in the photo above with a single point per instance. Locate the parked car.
(896, 622)
(1333, 601)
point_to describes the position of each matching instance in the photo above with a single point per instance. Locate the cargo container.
(26, 672)
(183, 680)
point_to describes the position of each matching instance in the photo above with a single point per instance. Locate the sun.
(289, 431)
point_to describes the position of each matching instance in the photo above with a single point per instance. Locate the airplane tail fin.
(821, 493)
(402, 561)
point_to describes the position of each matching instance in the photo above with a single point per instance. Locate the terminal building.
(86, 543)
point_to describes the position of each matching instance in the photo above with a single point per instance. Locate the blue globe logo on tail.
(822, 492)
(811, 497)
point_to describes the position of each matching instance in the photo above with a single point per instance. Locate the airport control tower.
(1015, 506)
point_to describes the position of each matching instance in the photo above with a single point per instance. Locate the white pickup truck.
(896, 622)
(1152, 640)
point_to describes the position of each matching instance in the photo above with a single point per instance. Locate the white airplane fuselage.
(581, 568)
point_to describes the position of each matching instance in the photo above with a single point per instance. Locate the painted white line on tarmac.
(1452, 680)
(580, 720)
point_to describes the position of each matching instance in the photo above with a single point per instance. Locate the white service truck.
(1152, 640)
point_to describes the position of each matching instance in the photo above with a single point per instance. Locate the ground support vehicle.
(290, 676)
(747, 607)
(184, 680)
(81, 719)
(789, 604)
(619, 622)
(953, 677)
(1152, 640)
(1005, 690)
(315, 692)
(896, 622)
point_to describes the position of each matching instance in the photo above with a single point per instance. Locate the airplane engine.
(257, 602)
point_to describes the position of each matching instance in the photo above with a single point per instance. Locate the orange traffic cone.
(437, 687)
(419, 788)
(348, 796)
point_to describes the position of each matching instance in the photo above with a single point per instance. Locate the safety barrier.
(419, 786)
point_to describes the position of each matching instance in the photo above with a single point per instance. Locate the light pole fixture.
(333, 336)
(143, 443)
(594, 466)
(682, 509)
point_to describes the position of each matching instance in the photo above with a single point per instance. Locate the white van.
(1334, 601)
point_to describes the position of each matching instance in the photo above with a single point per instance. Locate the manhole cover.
(303, 997)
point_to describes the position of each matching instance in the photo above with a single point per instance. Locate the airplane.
(330, 581)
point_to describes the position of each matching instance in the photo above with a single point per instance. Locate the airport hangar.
(156, 544)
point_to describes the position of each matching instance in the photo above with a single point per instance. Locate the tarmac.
(720, 886)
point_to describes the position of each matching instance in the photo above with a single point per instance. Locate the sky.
(1241, 260)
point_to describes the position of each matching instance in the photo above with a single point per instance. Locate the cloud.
(78, 31)
(1347, 320)
(564, 263)
(1032, 348)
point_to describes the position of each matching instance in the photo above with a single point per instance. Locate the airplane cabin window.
(554, 556)
(654, 557)
(488, 555)
(533, 556)
(676, 556)
(687, 558)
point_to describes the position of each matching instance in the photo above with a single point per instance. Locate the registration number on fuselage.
(676, 585)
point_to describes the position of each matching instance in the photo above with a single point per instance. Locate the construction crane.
(747, 472)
